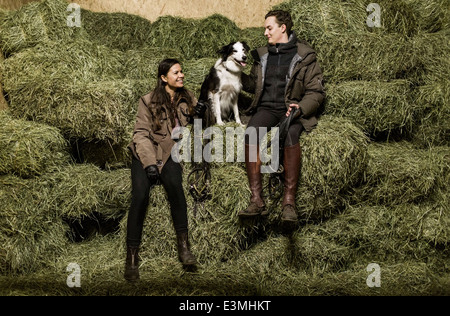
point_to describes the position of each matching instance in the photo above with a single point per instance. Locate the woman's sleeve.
(145, 148)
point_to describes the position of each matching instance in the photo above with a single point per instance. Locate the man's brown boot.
(253, 167)
(292, 163)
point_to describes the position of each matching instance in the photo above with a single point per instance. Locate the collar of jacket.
(282, 48)
(305, 54)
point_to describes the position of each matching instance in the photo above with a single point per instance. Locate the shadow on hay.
(87, 227)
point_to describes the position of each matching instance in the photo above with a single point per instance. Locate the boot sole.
(249, 215)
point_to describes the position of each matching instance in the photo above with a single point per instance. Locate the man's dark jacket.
(304, 81)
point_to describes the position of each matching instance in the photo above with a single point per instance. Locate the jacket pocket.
(298, 87)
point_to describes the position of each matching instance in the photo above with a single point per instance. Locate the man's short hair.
(283, 17)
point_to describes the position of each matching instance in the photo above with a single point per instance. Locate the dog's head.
(236, 51)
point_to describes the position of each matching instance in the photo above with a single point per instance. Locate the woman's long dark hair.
(160, 96)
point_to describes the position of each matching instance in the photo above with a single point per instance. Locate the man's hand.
(291, 107)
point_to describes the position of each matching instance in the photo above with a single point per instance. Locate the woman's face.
(174, 77)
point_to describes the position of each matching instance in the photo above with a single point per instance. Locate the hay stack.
(30, 149)
(360, 202)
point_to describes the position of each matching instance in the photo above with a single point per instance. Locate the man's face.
(275, 33)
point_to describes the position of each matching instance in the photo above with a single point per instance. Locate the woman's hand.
(200, 109)
(152, 173)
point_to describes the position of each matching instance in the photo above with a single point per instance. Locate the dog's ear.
(225, 51)
(246, 47)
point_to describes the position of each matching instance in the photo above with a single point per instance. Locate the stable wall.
(245, 13)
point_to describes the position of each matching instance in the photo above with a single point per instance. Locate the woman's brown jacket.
(153, 146)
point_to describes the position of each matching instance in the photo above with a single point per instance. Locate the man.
(285, 75)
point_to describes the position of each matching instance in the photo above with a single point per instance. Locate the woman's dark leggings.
(171, 179)
(266, 117)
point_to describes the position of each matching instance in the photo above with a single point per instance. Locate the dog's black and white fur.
(222, 85)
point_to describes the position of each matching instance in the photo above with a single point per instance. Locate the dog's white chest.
(229, 79)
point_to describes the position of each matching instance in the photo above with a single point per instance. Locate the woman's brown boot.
(184, 252)
(132, 264)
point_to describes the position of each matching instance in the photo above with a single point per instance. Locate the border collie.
(222, 85)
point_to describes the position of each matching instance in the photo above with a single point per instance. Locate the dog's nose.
(244, 57)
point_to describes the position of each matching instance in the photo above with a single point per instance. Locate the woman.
(168, 106)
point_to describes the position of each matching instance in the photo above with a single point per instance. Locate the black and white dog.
(222, 85)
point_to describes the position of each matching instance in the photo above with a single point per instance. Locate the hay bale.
(431, 16)
(77, 60)
(363, 56)
(30, 149)
(376, 107)
(35, 23)
(305, 250)
(80, 190)
(314, 18)
(397, 174)
(116, 30)
(433, 91)
(80, 107)
(194, 38)
(389, 234)
(333, 162)
(31, 234)
(196, 71)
